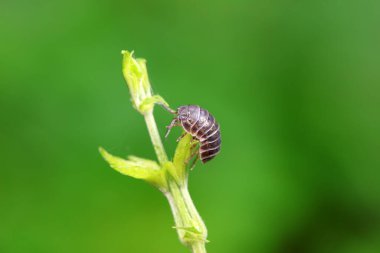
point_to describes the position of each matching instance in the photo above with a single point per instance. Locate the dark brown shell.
(201, 124)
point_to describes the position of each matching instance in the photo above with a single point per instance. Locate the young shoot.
(170, 177)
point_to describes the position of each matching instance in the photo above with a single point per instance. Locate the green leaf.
(136, 167)
(148, 103)
(173, 171)
(182, 155)
(192, 234)
(189, 229)
(136, 76)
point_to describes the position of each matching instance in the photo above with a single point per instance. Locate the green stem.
(198, 248)
(155, 137)
(171, 178)
(191, 229)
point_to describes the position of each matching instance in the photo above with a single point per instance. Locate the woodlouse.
(202, 126)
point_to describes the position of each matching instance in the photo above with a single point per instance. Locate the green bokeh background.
(294, 85)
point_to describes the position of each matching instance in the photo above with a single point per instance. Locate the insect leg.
(194, 149)
(172, 124)
(194, 161)
(182, 135)
(194, 140)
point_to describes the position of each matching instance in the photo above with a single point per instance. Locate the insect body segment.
(202, 126)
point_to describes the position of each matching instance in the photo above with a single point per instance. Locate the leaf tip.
(104, 153)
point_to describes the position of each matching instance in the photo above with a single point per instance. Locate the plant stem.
(155, 137)
(191, 229)
(198, 248)
(171, 176)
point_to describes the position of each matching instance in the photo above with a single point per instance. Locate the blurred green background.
(294, 85)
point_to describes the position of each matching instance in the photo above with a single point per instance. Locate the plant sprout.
(170, 177)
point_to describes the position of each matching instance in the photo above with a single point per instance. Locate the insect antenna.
(167, 108)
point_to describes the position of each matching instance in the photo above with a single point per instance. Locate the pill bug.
(202, 126)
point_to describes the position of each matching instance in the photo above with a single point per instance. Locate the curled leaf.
(136, 76)
(182, 155)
